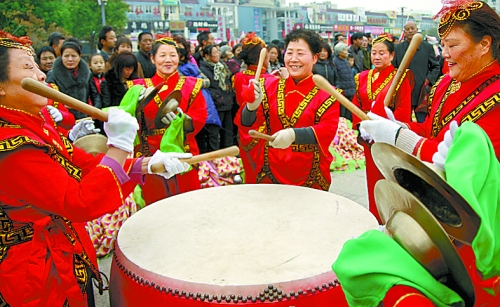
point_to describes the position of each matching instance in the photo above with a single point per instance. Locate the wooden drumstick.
(258, 135)
(221, 153)
(323, 84)
(262, 58)
(412, 48)
(48, 92)
(45, 91)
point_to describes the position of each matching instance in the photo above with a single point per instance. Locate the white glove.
(283, 138)
(55, 113)
(365, 135)
(121, 129)
(82, 128)
(380, 129)
(170, 116)
(390, 115)
(257, 90)
(145, 92)
(171, 162)
(440, 156)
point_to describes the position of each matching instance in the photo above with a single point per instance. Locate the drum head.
(241, 239)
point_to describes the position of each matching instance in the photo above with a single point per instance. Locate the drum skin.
(238, 245)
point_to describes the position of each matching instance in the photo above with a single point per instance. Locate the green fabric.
(137, 196)
(129, 103)
(129, 100)
(173, 139)
(368, 266)
(472, 169)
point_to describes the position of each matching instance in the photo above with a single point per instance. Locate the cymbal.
(451, 210)
(415, 228)
(169, 104)
(92, 143)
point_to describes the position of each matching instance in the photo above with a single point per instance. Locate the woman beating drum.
(373, 84)
(49, 188)
(251, 149)
(470, 37)
(301, 118)
(165, 56)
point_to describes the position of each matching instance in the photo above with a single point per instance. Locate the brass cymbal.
(92, 143)
(169, 104)
(451, 210)
(415, 228)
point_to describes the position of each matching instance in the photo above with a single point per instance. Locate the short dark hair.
(357, 35)
(142, 34)
(54, 38)
(313, 39)
(123, 60)
(203, 36)
(102, 35)
(45, 49)
(208, 50)
(71, 45)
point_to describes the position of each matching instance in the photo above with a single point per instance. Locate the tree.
(77, 18)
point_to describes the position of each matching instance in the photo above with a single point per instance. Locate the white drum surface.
(243, 234)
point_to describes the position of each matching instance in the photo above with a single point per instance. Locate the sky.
(382, 5)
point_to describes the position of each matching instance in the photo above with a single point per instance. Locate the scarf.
(220, 74)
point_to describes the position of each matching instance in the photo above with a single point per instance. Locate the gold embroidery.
(116, 179)
(432, 93)
(10, 236)
(373, 96)
(438, 124)
(249, 72)
(481, 109)
(406, 296)
(285, 120)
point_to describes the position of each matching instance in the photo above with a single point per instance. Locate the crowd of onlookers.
(101, 81)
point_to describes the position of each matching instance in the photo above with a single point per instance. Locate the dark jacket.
(148, 68)
(359, 58)
(112, 89)
(345, 79)
(424, 65)
(95, 82)
(327, 69)
(78, 88)
(223, 99)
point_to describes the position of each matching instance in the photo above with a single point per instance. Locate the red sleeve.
(41, 182)
(326, 129)
(402, 111)
(68, 120)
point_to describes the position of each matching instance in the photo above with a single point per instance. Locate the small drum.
(240, 244)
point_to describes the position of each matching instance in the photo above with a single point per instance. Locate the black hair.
(123, 60)
(102, 35)
(45, 49)
(208, 50)
(4, 64)
(356, 36)
(54, 38)
(313, 39)
(326, 46)
(203, 36)
(236, 47)
(157, 45)
(71, 45)
(142, 34)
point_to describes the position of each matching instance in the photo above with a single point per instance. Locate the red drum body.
(241, 245)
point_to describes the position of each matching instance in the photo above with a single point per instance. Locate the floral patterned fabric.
(219, 172)
(348, 155)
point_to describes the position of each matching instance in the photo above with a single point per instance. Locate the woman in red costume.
(49, 188)
(251, 150)
(372, 84)
(165, 56)
(470, 37)
(302, 118)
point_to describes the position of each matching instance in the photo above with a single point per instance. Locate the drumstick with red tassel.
(48, 92)
(247, 90)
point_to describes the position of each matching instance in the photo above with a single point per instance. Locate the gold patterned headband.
(458, 13)
(252, 39)
(167, 41)
(8, 40)
(380, 39)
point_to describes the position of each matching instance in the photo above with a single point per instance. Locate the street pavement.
(351, 185)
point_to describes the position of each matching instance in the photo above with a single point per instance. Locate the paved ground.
(350, 185)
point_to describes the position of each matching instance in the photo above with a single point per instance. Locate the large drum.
(241, 244)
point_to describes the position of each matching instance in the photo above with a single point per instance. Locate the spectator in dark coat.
(424, 66)
(345, 79)
(114, 86)
(325, 66)
(221, 91)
